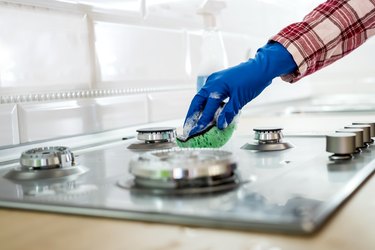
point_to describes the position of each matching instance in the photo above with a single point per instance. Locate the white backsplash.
(121, 111)
(41, 121)
(139, 56)
(8, 125)
(353, 74)
(42, 49)
(169, 105)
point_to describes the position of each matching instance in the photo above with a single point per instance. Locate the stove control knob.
(372, 124)
(358, 136)
(268, 134)
(341, 144)
(366, 132)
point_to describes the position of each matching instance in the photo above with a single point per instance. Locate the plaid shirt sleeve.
(331, 31)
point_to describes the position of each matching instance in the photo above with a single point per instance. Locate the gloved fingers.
(196, 107)
(208, 114)
(228, 113)
(193, 114)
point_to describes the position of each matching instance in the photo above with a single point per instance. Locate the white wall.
(42, 50)
(353, 74)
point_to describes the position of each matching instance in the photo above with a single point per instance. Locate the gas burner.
(267, 139)
(155, 138)
(47, 158)
(183, 171)
(45, 162)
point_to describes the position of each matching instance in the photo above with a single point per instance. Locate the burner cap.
(157, 134)
(182, 164)
(267, 139)
(268, 134)
(183, 171)
(47, 158)
(267, 129)
(45, 163)
(155, 129)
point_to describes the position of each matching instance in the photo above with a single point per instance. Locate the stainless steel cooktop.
(292, 188)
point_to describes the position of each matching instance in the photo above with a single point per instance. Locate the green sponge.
(211, 138)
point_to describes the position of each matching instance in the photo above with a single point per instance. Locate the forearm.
(328, 33)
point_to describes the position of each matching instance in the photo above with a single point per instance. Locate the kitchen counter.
(350, 228)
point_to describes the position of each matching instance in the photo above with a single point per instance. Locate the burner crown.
(151, 135)
(268, 134)
(182, 164)
(47, 158)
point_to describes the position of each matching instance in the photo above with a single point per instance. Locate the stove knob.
(366, 132)
(372, 124)
(268, 134)
(359, 143)
(341, 144)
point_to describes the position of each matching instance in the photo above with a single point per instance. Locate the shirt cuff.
(297, 57)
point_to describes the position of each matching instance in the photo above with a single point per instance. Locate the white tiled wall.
(352, 74)
(122, 111)
(238, 47)
(169, 105)
(8, 124)
(241, 47)
(42, 49)
(194, 41)
(41, 121)
(276, 92)
(139, 56)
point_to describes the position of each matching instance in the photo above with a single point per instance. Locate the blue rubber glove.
(240, 83)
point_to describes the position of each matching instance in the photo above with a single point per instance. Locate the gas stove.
(259, 181)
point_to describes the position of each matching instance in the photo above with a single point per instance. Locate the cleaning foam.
(212, 138)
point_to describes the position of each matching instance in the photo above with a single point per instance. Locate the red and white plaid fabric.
(328, 33)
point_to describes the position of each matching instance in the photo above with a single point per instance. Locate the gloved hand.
(240, 83)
